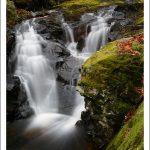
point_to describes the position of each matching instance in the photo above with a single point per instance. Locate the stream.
(49, 70)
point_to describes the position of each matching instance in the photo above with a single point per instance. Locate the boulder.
(108, 82)
(50, 27)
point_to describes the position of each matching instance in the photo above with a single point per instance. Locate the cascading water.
(98, 35)
(68, 31)
(53, 126)
(35, 71)
(99, 30)
(96, 38)
(70, 41)
(39, 79)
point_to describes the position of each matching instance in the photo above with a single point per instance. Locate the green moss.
(74, 8)
(130, 32)
(106, 70)
(108, 83)
(11, 11)
(131, 135)
(140, 21)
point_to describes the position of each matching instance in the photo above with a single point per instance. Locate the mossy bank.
(109, 83)
(131, 135)
(74, 8)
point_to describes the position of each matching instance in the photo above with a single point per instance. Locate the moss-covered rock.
(131, 134)
(107, 69)
(109, 82)
(73, 9)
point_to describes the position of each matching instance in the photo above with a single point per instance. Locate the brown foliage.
(125, 47)
(9, 24)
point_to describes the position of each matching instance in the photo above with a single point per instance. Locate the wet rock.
(10, 50)
(81, 43)
(13, 86)
(118, 15)
(80, 32)
(51, 26)
(124, 18)
(56, 50)
(69, 69)
(17, 101)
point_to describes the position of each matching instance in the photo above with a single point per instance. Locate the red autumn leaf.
(125, 47)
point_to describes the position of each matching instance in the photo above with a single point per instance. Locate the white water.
(39, 80)
(95, 39)
(68, 31)
(35, 71)
(98, 35)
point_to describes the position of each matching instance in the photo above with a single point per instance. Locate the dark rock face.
(80, 35)
(124, 21)
(10, 50)
(69, 70)
(17, 103)
(50, 28)
(54, 49)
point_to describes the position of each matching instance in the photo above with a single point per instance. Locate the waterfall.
(37, 75)
(57, 104)
(68, 31)
(96, 38)
(98, 35)
(99, 30)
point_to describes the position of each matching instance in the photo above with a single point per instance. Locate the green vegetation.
(131, 135)
(15, 15)
(140, 21)
(23, 15)
(11, 11)
(130, 32)
(74, 8)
